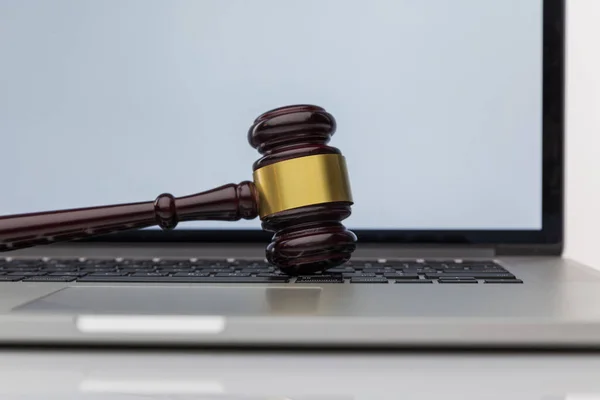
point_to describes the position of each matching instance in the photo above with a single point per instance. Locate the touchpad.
(205, 300)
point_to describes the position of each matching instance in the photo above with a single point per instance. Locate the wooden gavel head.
(300, 191)
(303, 189)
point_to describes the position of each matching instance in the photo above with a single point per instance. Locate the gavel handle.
(226, 203)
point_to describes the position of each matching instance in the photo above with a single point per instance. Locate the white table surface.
(297, 376)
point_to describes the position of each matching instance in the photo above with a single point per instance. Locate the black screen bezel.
(552, 179)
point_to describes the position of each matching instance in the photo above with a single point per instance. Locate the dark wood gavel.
(300, 191)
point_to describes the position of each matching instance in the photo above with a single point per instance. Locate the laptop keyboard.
(252, 271)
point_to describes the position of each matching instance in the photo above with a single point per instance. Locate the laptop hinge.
(364, 250)
(434, 251)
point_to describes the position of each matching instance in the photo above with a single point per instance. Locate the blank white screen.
(438, 102)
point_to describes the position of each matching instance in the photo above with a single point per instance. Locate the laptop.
(450, 116)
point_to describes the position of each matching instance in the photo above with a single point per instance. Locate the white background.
(583, 132)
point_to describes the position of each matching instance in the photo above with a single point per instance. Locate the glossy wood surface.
(307, 239)
(310, 239)
(291, 132)
(226, 203)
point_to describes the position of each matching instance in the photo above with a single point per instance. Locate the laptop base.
(556, 305)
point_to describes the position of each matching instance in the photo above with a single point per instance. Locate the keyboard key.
(217, 270)
(138, 271)
(362, 265)
(61, 269)
(468, 274)
(21, 269)
(95, 269)
(503, 281)
(250, 279)
(175, 270)
(67, 273)
(108, 274)
(145, 274)
(190, 274)
(256, 270)
(369, 280)
(171, 279)
(10, 278)
(377, 270)
(401, 276)
(135, 268)
(232, 275)
(492, 276)
(320, 279)
(414, 281)
(272, 275)
(358, 275)
(26, 264)
(459, 280)
(25, 273)
(438, 261)
(48, 278)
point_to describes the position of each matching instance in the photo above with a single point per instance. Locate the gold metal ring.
(302, 181)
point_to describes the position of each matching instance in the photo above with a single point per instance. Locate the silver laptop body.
(450, 115)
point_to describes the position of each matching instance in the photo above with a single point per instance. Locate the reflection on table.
(187, 375)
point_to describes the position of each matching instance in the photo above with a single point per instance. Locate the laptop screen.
(438, 103)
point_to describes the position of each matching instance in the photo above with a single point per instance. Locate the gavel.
(300, 191)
